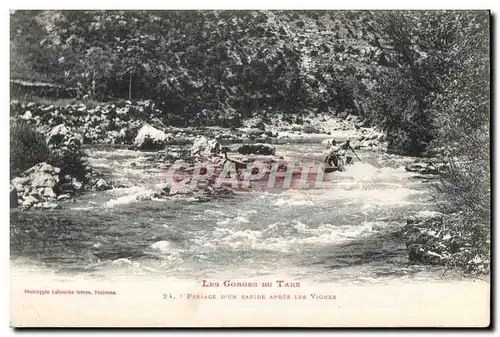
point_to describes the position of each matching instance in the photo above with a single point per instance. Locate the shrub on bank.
(28, 147)
(451, 240)
(70, 163)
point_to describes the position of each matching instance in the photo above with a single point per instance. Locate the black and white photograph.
(250, 168)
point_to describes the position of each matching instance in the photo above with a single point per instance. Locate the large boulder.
(61, 137)
(43, 175)
(205, 147)
(41, 182)
(308, 128)
(27, 115)
(263, 149)
(150, 138)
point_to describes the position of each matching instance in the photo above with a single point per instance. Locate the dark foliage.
(27, 147)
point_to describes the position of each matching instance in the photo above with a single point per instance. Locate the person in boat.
(332, 157)
(344, 147)
(336, 152)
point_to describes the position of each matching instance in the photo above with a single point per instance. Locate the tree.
(462, 116)
(96, 65)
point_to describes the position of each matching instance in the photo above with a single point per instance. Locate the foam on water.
(213, 212)
(353, 192)
(259, 230)
(124, 262)
(83, 208)
(236, 220)
(296, 199)
(393, 196)
(285, 237)
(117, 266)
(163, 246)
(130, 195)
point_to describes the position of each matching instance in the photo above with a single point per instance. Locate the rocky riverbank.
(67, 175)
(443, 239)
(122, 122)
(140, 125)
(43, 185)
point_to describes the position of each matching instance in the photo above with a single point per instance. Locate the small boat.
(340, 168)
(329, 169)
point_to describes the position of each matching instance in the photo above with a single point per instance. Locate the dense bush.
(462, 117)
(450, 240)
(462, 112)
(27, 147)
(458, 106)
(70, 162)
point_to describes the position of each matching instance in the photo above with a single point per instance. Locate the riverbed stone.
(28, 201)
(48, 192)
(102, 185)
(77, 185)
(62, 197)
(150, 138)
(61, 137)
(308, 128)
(164, 190)
(144, 197)
(424, 168)
(259, 148)
(205, 146)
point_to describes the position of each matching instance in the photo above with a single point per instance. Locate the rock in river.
(424, 168)
(28, 201)
(206, 147)
(102, 185)
(149, 138)
(263, 149)
(308, 128)
(41, 175)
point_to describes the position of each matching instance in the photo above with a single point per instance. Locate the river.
(349, 232)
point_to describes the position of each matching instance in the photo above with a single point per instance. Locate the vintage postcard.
(250, 168)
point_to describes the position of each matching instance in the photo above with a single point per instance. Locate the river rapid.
(347, 233)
